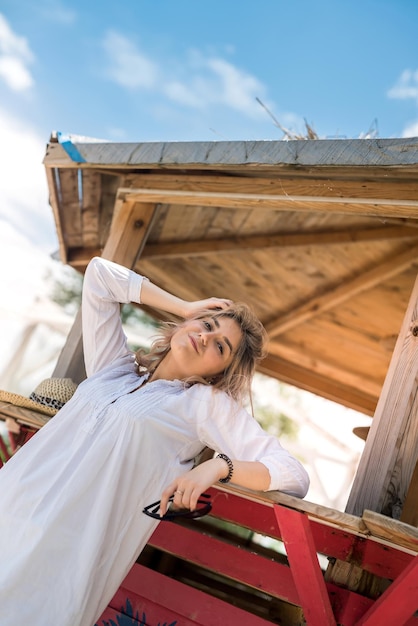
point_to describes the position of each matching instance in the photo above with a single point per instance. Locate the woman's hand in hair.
(158, 298)
(215, 304)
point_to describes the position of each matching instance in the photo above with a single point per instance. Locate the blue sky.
(187, 70)
(169, 70)
(166, 70)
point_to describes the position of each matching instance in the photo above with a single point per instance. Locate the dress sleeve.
(106, 286)
(227, 428)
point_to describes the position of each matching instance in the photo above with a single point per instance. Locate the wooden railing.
(217, 570)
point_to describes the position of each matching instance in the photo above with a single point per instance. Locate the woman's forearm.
(250, 474)
(158, 298)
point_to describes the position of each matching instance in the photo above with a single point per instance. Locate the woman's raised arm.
(158, 298)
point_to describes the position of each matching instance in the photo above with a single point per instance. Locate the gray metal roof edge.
(318, 152)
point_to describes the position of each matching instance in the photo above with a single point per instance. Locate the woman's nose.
(204, 338)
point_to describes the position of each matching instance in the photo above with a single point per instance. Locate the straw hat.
(48, 398)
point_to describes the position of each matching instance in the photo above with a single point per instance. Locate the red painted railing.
(156, 598)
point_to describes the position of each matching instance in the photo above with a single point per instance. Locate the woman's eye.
(221, 348)
(207, 325)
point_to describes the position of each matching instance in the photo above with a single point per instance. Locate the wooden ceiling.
(319, 237)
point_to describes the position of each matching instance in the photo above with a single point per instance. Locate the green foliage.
(272, 419)
(66, 291)
(275, 422)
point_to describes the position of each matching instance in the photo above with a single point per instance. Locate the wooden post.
(131, 224)
(391, 451)
(304, 565)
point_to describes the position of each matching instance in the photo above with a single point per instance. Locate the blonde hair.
(236, 379)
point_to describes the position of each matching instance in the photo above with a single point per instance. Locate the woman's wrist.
(227, 468)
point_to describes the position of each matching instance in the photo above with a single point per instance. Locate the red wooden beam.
(251, 569)
(304, 564)
(398, 603)
(371, 555)
(231, 561)
(149, 590)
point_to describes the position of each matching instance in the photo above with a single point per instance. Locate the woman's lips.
(194, 343)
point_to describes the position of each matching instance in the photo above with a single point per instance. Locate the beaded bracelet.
(230, 468)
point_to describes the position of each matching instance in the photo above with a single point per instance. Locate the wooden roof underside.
(319, 237)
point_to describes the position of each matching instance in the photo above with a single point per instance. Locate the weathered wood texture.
(391, 450)
(223, 570)
(128, 232)
(319, 237)
(353, 152)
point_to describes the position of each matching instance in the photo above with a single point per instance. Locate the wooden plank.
(390, 453)
(130, 227)
(335, 296)
(203, 247)
(236, 563)
(325, 364)
(306, 572)
(90, 207)
(79, 257)
(309, 186)
(70, 362)
(54, 201)
(313, 380)
(398, 603)
(347, 153)
(191, 604)
(269, 202)
(326, 514)
(70, 203)
(391, 529)
(23, 415)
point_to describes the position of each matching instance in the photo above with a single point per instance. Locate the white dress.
(71, 521)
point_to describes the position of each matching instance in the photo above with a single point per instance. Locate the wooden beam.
(398, 603)
(54, 201)
(393, 530)
(390, 454)
(130, 227)
(90, 207)
(300, 375)
(389, 156)
(238, 564)
(333, 297)
(304, 565)
(193, 606)
(204, 247)
(79, 257)
(282, 202)
(308, 186)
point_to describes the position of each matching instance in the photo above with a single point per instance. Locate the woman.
(72, 521)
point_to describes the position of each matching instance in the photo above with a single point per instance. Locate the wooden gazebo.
(321, 239)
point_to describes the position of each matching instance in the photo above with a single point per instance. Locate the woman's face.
(204, 347)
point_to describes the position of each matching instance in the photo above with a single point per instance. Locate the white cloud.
(23, 189)
(238, 89)
(127, 65)
(411, 130)
(15, 56)
(196, 81)
(406, 86)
